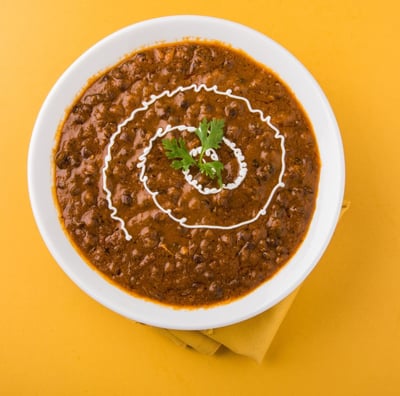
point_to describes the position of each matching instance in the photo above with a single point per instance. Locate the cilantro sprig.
(177, 149)
(210, 135)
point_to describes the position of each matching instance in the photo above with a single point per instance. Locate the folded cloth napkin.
(250, 338)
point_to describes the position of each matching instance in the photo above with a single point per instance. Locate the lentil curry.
(173, 236)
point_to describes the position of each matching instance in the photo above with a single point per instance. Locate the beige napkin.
(250, 338)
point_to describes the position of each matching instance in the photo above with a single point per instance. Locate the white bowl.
(108, 52)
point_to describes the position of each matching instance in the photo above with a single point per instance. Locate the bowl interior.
(107, 53)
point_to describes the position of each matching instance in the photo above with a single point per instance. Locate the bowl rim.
(93, 62)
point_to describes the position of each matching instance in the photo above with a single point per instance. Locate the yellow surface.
(342, 334)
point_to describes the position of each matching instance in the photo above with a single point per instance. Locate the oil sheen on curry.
(187, 174)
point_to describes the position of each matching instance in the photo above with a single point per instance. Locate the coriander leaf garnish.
(210, 135)
(212, 169)
(177, 149)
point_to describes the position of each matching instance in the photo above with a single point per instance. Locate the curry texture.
(164, 260)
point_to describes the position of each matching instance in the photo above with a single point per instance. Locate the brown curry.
(144, 224)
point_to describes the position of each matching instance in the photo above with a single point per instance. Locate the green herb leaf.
(216, 133)
(202, 131)
(212, 169)
(210, 135)
(177, 149)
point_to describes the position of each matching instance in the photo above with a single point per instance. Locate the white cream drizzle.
(194, 152)
(213, 155)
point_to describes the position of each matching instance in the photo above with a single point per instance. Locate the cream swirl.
(161, 132)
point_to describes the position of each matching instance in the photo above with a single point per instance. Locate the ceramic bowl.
(110, 51)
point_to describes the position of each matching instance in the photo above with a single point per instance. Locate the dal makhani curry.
(187, 173)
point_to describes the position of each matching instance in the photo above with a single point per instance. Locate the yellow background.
(342, 335)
